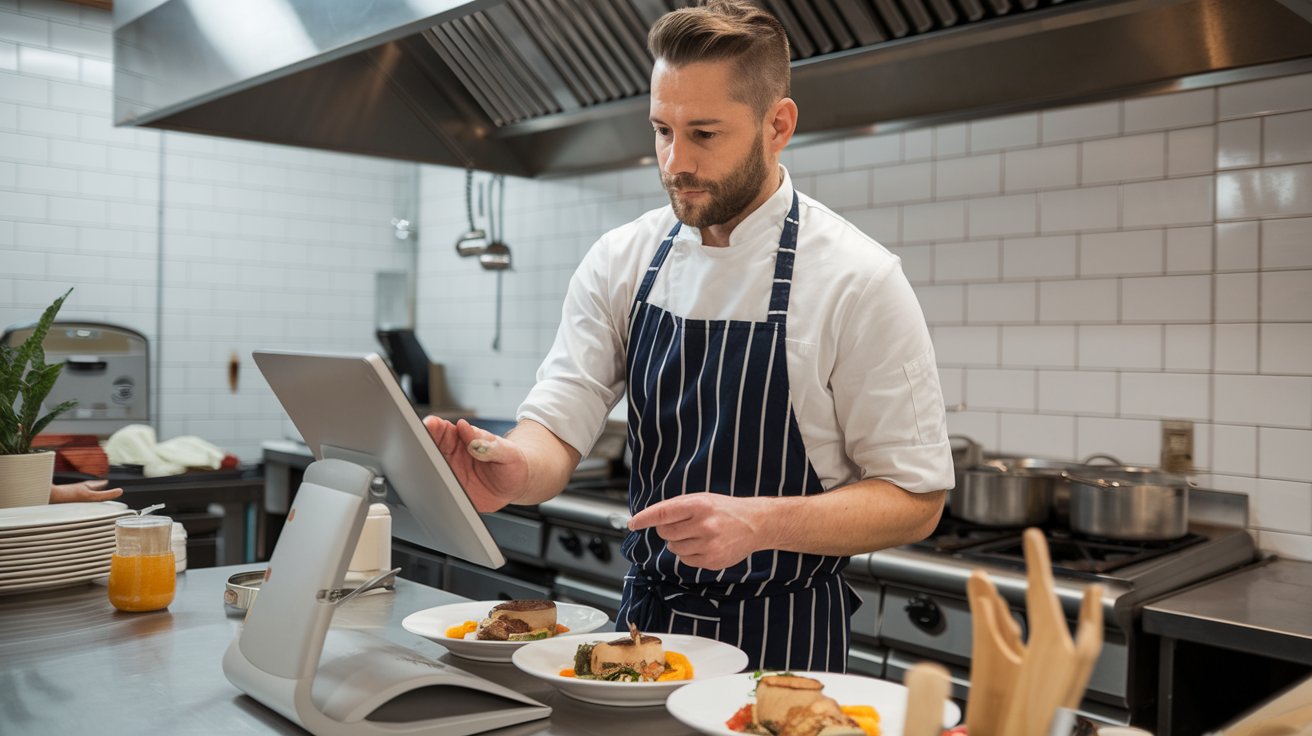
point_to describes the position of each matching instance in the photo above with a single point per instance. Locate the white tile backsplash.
(1239, 143)
(1265, 97)
(1170, 202)
(1168, 395)
(1010, 215)
(1189, 249)
(1085, 300)
(1191, 151)
(1128, 158)
(969, 176)
(908, 183)
(1127, 347)
(1039, 258)
(1132, 441)
(1038, 346)
(1275, 191)
(1234, 449)
(873, 150)
(1286, 295)
(1237, 246)
(1078, 392)
(1052, 167)
(1119, 253)
(1167, 299)
(1178, 110)
(988, 388)
(1286, 349)
(1280, 401)
(969, 261)
(1284, 454)
(1073, 210)
(1084, 121)
(1285, 139)
(1001, 303)
(1282, 506)
(1037, 435)
(1015, 131)
(1287, 243)
(1188, 347)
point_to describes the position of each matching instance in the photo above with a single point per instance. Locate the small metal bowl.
(240, 591)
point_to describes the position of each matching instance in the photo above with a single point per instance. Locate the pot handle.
(1102, 456)
(1101, 483)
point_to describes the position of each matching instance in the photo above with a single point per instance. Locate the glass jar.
(141, 572)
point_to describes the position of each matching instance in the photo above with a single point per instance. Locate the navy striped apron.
(710, 410)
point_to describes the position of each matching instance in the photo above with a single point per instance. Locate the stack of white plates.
(56, 545)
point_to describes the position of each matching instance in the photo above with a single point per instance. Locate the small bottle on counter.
(374, 550)
(141, 571)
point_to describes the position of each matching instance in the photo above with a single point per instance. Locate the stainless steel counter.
(71, 664)
(1265, 610)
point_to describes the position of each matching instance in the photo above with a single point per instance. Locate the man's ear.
(780, 124)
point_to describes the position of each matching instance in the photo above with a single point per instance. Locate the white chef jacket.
(861, 368)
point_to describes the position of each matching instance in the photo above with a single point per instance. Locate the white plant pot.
(25, 479)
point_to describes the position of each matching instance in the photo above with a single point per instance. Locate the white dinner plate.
(706, 705)
(16, 535)
(432, 623)
(34, 517)
(76, 566)
(73, 535)
(52, 581)
(545, 659)
(60, 557)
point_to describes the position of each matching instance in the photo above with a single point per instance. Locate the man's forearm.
(862, 517)
(551, 461)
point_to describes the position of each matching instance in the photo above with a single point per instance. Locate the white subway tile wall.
(261, 246)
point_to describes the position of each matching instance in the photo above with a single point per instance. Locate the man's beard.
(727, 198)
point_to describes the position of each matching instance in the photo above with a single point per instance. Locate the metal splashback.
(532, 87)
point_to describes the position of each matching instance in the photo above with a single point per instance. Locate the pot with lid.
(997, 493)
(1134, 504)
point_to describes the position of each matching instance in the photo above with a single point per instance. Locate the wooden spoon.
(1088, 644)
(994, 660)
(1048, 666)
(927, 689)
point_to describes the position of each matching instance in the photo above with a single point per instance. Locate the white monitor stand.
(339, 683)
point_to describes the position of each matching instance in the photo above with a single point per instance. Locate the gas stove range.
(924, 614)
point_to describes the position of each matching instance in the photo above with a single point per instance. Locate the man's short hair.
(735, 30)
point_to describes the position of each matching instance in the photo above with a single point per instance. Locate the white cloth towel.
(135, 444)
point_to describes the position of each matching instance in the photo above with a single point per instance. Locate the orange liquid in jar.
(141, 582)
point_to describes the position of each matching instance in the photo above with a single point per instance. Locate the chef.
(784, 408)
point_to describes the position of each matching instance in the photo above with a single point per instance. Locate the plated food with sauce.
(795, 704)
(627, 669)
(491, 631)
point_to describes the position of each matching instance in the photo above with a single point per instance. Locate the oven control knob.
(925, 614)
(598, 547)
(571, 542)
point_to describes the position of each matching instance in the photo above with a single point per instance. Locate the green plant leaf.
(25, 381)
(48, 418)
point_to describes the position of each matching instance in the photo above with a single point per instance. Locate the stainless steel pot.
(995, 494)
(1139, 505)
(966, 453)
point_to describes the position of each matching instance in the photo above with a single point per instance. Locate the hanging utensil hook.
(474, 241)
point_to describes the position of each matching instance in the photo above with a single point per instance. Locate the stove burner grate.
(1077, 555)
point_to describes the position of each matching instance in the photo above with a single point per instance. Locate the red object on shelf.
(75, 453)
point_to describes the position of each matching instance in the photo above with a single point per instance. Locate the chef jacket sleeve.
(886, 387)
(582, 377)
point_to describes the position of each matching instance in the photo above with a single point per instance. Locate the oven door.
(575, 590)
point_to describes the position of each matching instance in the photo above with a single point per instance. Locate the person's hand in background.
(87, 490)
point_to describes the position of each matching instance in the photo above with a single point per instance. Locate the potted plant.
(25, 381)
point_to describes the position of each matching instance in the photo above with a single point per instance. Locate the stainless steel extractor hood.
(534, 87)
